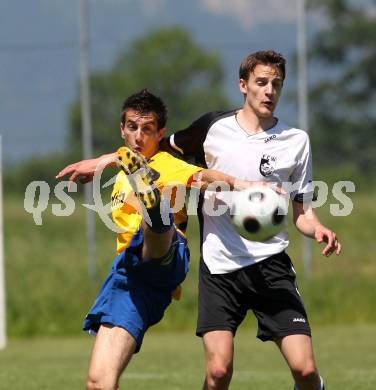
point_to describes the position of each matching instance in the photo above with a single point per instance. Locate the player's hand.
(323, 234)
(85, 170)
(82, 170)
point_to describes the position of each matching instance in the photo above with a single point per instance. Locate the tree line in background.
(170, 64)
(343, 101)
(190, 79)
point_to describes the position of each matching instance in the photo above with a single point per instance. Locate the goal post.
(3, 340)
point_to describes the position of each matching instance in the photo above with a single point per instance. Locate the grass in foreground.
(56, 291)
(174, 361)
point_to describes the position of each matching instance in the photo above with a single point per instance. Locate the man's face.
(140, 132)
(262, 90)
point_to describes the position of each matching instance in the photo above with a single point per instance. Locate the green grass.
(49, 290)
(174, 360)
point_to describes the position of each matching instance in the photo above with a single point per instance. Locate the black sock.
(322, 386)
(159, 218)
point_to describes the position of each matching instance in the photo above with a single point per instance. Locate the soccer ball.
(259, 213)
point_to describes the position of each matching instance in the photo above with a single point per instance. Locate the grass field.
(49, 291)
(174, 361)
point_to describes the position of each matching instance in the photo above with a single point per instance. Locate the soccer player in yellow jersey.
(152, 251)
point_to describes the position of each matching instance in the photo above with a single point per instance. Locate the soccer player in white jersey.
(237, 275)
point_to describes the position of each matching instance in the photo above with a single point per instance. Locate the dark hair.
(145, 102)
(264, 57)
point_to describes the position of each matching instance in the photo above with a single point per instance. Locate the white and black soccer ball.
(259, 213)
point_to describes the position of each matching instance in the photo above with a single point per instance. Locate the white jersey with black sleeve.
(279, 155)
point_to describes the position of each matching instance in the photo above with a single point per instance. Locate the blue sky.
(39, 56)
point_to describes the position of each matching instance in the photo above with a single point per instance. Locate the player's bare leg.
(112, 351)
(298, 352)
(219, 351)
(157, 222)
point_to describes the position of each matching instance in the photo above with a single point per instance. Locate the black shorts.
(268, 288)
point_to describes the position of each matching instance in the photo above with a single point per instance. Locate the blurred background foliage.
(190, 79)
(167, 62)
(343, 99)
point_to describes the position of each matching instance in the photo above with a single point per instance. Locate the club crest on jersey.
(267, 164)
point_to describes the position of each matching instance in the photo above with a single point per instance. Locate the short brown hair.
(264, 57)
(145, 102)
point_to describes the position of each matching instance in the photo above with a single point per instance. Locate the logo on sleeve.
(299, 320)
(267, 164)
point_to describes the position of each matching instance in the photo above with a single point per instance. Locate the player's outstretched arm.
(85, 169)
(205, 177)
(308, 224)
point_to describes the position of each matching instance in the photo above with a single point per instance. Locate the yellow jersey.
(175, 177)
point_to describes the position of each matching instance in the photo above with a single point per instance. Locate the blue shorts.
(137, 293)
